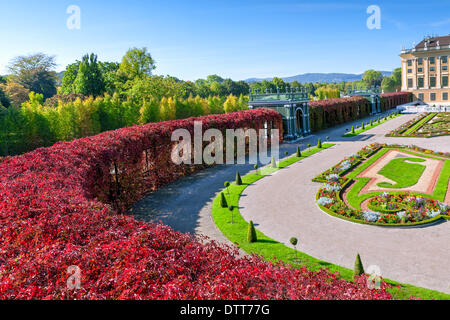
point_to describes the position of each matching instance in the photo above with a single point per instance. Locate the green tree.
(137, 63)
(89, 80)
(372, 78)
(35, 72)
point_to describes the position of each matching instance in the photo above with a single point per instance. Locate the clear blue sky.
(236, 39)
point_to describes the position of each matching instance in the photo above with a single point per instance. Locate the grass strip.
(272, 250)
(369, 126)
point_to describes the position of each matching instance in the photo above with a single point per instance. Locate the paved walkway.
(283, 206)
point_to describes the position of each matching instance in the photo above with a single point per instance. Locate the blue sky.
(236, 39)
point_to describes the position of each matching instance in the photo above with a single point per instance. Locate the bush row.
(57, 208)
(69, 117)
(331, 112)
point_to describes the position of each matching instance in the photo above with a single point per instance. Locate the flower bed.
(399, 208)
(347, 164)
(426, 125)
(59, 207)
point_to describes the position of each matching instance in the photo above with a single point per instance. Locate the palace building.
(425, 70)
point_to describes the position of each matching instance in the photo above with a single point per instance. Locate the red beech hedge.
(59, 207)
(394, 99)
(331, 112)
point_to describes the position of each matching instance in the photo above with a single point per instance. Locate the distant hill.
(320, 77)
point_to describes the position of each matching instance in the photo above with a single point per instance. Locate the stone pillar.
(290, 125)
(307, 122)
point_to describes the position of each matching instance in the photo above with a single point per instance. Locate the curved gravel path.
(283, 205)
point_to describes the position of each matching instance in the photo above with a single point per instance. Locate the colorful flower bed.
(348, 163)
(399, 208)
(59, 207)
(438, 124)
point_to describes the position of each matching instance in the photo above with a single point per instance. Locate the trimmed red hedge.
(331, 112)
(57, 210)
(394, 99)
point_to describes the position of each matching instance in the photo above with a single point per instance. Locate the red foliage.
(394, 99)
(57, 210)
(331, 112)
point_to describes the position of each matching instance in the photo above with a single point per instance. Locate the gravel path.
(283, 205)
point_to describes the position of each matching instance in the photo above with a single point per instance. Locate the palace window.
(410, 83)
(409, 63)
(409, 70)
(432, 69)
(444, 59)
(420, 82)
(445, 81)
(432, 60)
(432, 82)
(420, 70)
(444, 68)
(445, 96)
(433, 96)
(420, 61)
(421, 97)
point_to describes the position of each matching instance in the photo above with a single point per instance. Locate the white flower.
(371, 216)
(333, 177)
(332, 187)
(401, 214)
(433, 213)
(324, 201)
(345, 165)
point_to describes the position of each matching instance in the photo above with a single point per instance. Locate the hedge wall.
(394, 99)
(57, 210)
(331, 112)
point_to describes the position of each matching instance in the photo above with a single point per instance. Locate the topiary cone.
(251, 235)
(353, 129)
(359, 269)
(238, 179)
(319, 144)
(223, 201)
(299, 153)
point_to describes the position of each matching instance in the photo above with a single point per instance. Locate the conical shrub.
(299, 153)
(319, 144)
(353, 129)
(238, 179)
(223, 201)
(251, 235)
(359, 269)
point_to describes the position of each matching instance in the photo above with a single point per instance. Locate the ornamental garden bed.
(426, 125)
(388, 185)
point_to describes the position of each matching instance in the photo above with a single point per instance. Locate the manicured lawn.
(275, 251)
(355, 200)
(404, 173)
(419, 124)
(369, 126)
